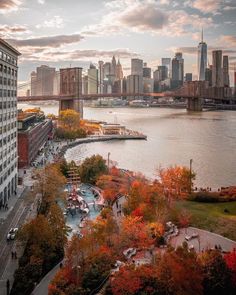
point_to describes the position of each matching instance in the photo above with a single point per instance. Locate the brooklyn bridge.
(195, 92)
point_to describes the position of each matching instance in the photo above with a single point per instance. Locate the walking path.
(205, 240)
(42, 287)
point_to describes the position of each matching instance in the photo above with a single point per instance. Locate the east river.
(173, 138)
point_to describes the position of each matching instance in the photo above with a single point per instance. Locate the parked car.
(129, 252)
(192, 236)
(188, 238)
(12, 233)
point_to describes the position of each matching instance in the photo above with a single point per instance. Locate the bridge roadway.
(134, 95)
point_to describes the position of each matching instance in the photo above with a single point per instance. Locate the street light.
(190, 176)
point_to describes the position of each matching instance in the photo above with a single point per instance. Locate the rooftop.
(7, 45)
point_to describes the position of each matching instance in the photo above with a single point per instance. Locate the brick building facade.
(32, 135)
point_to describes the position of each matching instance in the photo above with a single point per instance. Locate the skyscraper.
(188, 77)
(208, 75)
(8, 121)
(45, 80)
(136, 66)
(225, 70)
(33, 83)
(179, 57)
(100, 76)
(146, 71)
(217, 76)
(202, 59)
(163, 72)
(137, 70)
(119, 71)
(166, 61)
(92, 80)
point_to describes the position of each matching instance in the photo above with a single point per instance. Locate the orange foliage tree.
(134, 232)
(174, 182)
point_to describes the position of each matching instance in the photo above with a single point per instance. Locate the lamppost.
(108, 161)
(190, 176)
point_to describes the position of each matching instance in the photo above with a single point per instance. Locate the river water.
(173, 138)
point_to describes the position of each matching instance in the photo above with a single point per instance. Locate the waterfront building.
(217, 77)
(33, 132)
(8, 121)
(146, 71)
(189, 77)
(92, 80)
(202, 59)
(225, 71)
(166, 61)
(45, 80)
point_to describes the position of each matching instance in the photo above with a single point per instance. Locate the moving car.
(12, 233)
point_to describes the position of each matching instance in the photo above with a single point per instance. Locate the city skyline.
(59, 34)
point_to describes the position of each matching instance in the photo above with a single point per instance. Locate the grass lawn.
(211, 216)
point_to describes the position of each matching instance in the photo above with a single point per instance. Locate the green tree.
(92, 168)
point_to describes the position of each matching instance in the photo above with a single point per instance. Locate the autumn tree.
(179, 273)
(69, 119)
(144, 200)
(184, 219)
(230, 260)
(134, 232)
(91, 168)
(126, 281)
(217, 276)
(113, 184)
(50, 183)
(174, 182)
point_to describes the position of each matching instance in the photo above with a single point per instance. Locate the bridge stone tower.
(71, 89)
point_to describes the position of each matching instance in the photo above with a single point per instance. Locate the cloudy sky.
(77, 32)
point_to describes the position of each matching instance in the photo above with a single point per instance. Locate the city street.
(19, 212)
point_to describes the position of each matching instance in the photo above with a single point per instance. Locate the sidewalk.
(11, 203)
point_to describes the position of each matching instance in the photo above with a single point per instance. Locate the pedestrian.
(12, 254)
(6, 206)
(8, 286)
